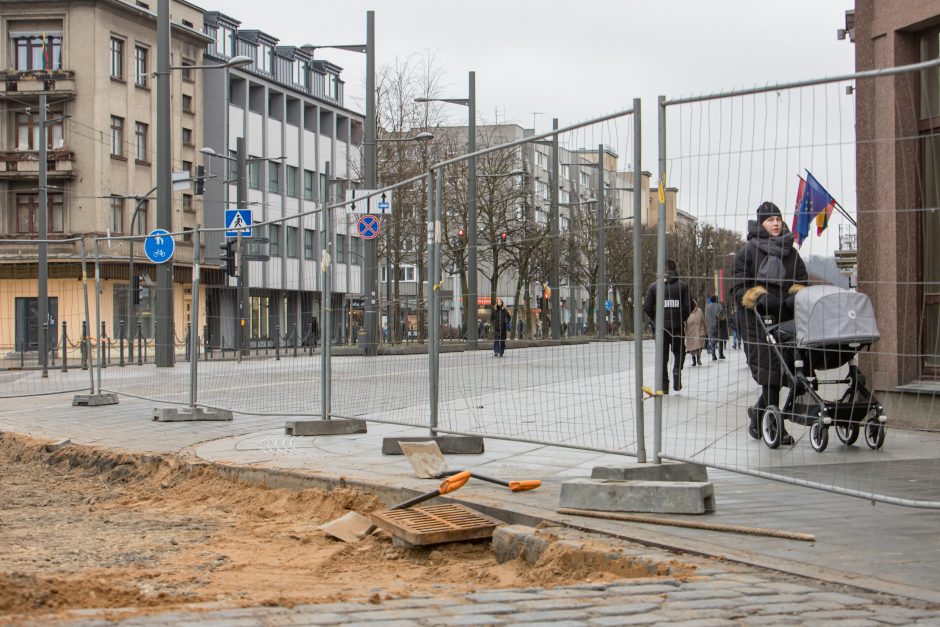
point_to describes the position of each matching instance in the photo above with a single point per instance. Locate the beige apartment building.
(94, 61)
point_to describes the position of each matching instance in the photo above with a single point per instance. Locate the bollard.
(84, 345)
(121, 343)
(140, 348)
(277, 342)
(296, 339)
(65, 346)
(189, 337)
(311, 340)
(105, 346)
(22, 353)
(206, 347)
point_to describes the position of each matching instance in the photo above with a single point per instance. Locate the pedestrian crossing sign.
(238, 221)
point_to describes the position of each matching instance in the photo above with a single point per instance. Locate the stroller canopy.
(826, 315)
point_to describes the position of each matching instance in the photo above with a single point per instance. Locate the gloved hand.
(767, 305)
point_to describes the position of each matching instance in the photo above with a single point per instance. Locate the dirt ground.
(81, 528)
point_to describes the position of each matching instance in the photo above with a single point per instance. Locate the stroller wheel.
(771, 426)
(847, 432)
(874, 433)
(819, 436)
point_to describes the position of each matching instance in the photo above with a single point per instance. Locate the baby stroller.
(831, 326)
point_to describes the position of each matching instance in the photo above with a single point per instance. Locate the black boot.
(753, 421)
(677, 379)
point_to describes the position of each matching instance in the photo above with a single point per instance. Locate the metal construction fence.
(569, 233)
(51, 355)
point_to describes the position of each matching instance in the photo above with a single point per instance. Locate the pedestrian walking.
(768, 272)
(500, 319)
(714, 317)
(677, 306)
(696, 334)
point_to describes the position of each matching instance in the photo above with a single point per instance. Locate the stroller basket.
(834, 318)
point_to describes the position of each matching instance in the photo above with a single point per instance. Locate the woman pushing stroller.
(768, 272)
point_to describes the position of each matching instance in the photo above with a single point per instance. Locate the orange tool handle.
(454, 482)
(522, 486)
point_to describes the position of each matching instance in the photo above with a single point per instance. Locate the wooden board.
(435, 524)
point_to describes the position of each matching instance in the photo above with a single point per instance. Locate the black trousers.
(676, 344)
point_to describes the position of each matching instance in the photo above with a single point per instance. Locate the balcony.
(36, 82)
(25, 164)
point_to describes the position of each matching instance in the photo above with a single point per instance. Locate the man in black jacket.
(677, 305)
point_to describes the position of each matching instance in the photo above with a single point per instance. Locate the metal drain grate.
(435, 524)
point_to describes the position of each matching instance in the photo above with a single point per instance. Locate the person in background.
(500, 319)
(677, 307)
(695, 334)
(714, 316)
(768, 272)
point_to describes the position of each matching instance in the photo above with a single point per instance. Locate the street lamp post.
(471, 297)
(163, 308)
(370, 272)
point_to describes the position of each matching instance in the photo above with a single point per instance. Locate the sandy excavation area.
(81, 528)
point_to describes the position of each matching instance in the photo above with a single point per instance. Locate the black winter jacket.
(500, 319)
(775, 295)
(677, 304)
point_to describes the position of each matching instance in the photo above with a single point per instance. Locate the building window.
(26, 218)
(291, 181)
(929, 145)
(332, 86)
(355, 252)
(259, 317)
(254, 173)
(187, 137)
(117, 58)
(140, 66)
(340, 249)
(188, 203)
(187, 104)
(225, 41)
(117, 136)
(36, 52)
(299, 71)
(310, 244)
(274, 177)
(140, 133)
(292, 243)
(274, 238)
(117, 215)
(27, 132)
(188, 167)
(186, 73)
(139, 225)
(308, 184)
(267, 59)
(324, 196)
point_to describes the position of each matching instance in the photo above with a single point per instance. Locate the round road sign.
(368, 226)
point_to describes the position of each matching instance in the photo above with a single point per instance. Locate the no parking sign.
(368, 226)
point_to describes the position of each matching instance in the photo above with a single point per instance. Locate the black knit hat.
(766, 210)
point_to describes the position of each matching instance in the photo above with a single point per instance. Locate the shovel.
(428, 462)
(352, 527)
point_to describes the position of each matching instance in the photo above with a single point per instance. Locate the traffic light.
(227, 254)
(135, 289)
(199, 182)
(502, 237)
(461, 234)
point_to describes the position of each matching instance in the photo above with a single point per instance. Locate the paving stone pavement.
(711, 598)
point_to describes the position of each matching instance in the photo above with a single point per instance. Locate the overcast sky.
(538, 59)
(572, 60)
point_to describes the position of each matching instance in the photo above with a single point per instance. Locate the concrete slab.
(667, 471)
(449, 444)
(657, 497)
(190, 414)
(324, 427)
(94, 400)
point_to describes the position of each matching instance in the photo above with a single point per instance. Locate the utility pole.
(163, 306)
(554, 280)
(241, 203)
(601, 247)
(471, 303)
(43, 210)
(370, 272)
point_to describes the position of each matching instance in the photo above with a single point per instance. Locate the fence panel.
(562, 272)
(24, 372)
(726, 155)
